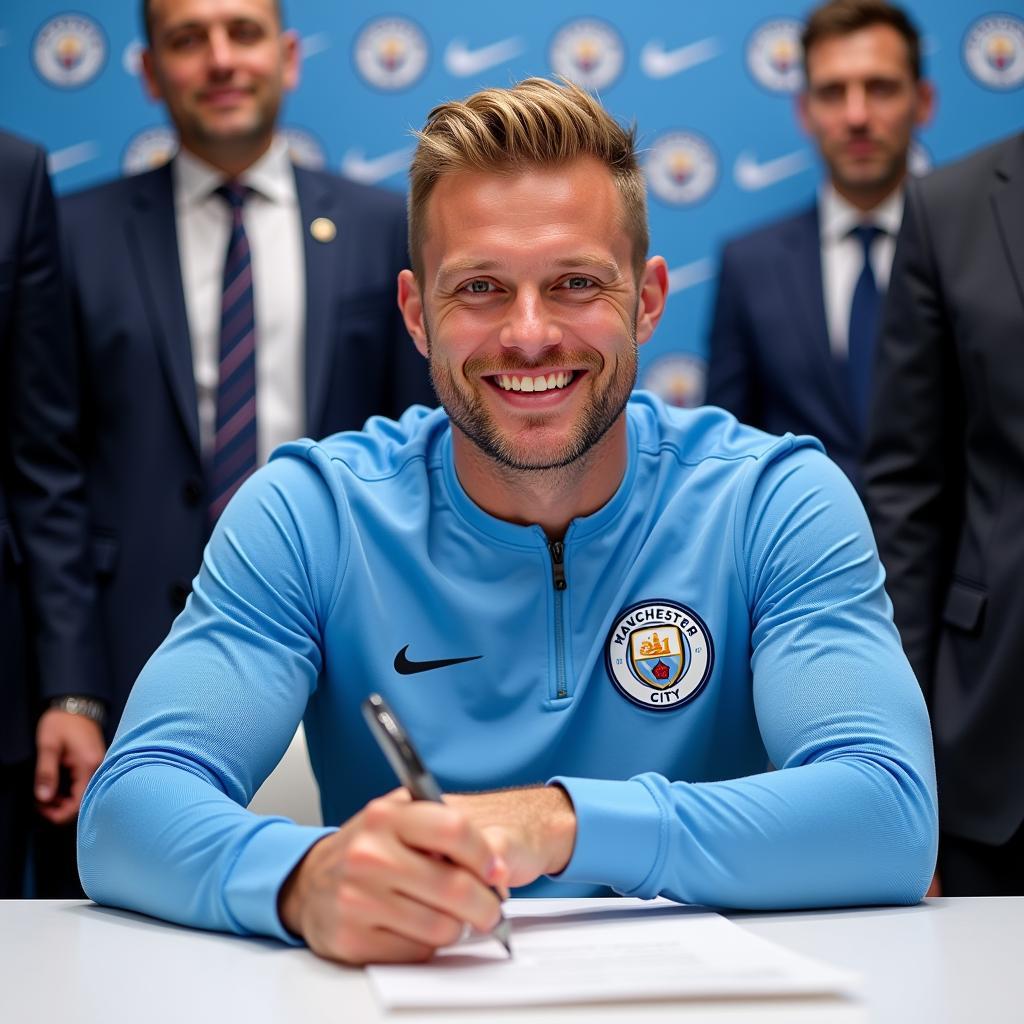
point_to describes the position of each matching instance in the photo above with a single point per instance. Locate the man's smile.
(540, 387)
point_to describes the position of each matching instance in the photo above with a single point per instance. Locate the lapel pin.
(323, 229)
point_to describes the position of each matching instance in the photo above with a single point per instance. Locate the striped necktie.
(863, 328)
(234, 446)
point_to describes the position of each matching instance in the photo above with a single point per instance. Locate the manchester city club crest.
(775, 56)
(994, 51)
(149, 149)
(391, 53)
(682, 168)
(677, 378)
(659, 654)
(589, 52)
(70, 50)
(304, 148)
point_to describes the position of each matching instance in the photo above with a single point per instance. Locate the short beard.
(469, 414)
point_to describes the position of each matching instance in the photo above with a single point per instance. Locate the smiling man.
(602, 620)
(224, 303)
(793, 335)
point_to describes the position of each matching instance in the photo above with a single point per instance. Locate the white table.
(946, 960)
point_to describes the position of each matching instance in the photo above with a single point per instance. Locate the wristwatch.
(88, 707)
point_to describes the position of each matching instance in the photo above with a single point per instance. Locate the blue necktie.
(234, 446)
(863, 328)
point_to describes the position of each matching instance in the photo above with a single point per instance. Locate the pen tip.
(502, 933)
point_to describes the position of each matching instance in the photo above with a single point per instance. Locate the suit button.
(178, 592)
(192, 491)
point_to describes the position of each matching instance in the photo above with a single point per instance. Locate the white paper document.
(614, 950)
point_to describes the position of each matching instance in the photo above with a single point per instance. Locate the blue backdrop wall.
(710, 85)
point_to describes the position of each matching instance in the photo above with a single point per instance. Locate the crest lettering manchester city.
(659, 654)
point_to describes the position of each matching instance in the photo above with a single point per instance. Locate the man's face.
(861, 106)
(221, 67)
(529, 309)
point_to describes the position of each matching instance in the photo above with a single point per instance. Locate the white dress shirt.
(273, 225)
(842, 256)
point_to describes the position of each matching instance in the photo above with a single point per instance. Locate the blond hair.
(535, 123)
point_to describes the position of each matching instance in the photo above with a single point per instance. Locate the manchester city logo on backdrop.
(994, 51)
(391, 53)
(304, 148)
(69, 50)
(677, 378)
(919, 160)
(148, 149)
(659, 654)
(775, 55)
(682, 168)
(589, 52)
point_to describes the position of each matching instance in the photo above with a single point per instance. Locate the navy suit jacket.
(770, 362)
(34, 330)
(137, 405)
(944, 474)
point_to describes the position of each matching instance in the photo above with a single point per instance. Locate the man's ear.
(651, 298)
(801, 113)
(291, 51)
(410, 302)
(926, 102)
(153, 90)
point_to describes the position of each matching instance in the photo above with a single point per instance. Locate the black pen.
(413, 773)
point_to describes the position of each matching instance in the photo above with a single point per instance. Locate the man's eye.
(246, 32)
(577, 283)
(479, 287)
(829, 93)
(185, 40)
(882, 88)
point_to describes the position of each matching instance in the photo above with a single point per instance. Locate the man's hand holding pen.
(403, 877)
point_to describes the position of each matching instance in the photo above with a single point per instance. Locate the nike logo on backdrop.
(72, 156)
(405, 667)
(658, 62)
(754, 176)
(462, 62)
(356, 166)
(690, 274)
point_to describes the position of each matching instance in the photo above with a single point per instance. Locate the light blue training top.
(723, 613)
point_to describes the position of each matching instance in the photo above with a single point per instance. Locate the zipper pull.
(557, 549)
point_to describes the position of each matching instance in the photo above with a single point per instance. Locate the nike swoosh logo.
(754, 176)
(356, 166)
(405, 667)
(690, 274)
(462, 62)
(72, 156)
(311, 45)
(657, 62)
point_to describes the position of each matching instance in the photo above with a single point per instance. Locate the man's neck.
(548, 498)
(867, 199)
(230, 162)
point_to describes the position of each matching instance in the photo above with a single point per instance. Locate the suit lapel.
(1008, 202)
(323, 272)
(802, 283)
(154, 239)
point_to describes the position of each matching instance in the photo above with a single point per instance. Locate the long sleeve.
(163, 826)
(850, 815)
(48, 497)
(915, 447)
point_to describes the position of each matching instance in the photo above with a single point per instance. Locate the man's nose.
(530, 326)
(856, 105)
(221, 50)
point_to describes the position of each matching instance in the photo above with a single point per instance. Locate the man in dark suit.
(792, 337)
(223, 304)
(945, 492)
(43, 729)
